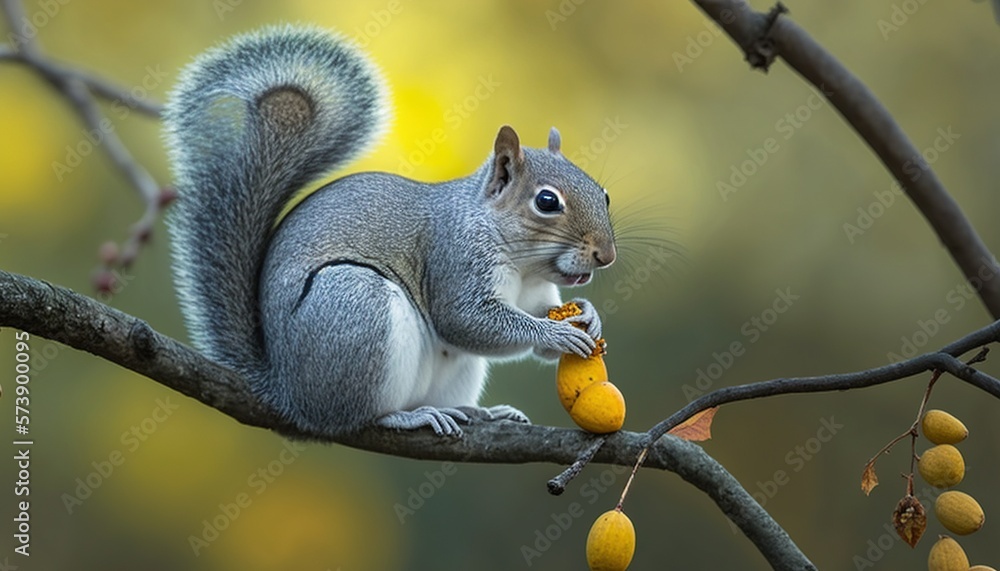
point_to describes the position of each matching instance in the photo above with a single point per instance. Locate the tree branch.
(78, 87)
(943, 360)
(762, 37)
(97, 85)
(86, 324)
(83, 323)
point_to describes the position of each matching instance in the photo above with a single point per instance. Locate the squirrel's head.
(553, 217)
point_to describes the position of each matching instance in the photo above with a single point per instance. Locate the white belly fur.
(424, 371)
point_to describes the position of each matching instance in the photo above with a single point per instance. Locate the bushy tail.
(250, 123)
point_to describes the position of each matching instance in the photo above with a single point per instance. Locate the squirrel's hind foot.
(443, 421)
(498, 412)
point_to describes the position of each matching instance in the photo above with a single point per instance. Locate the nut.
(942, 428)
(959, 512)
(611, 542)
(599, 409)
(942, 466)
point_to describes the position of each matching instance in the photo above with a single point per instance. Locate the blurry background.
(659, 106)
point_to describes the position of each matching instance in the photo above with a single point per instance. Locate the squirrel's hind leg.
(346, 352)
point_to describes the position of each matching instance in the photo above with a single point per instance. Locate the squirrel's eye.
(548, 202)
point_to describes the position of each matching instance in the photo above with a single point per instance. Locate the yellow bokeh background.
(688, 113)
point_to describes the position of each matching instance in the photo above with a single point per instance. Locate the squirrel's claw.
(589, 317)
(443, 421)
(498, 412)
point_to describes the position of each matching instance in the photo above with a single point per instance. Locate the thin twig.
(912, 430)
(96, 84)
(78, 88)
(628, 483)
(943, 359)
(557, 485)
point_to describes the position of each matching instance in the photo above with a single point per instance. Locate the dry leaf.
(868, 478)
(910, 520)
(696, 428)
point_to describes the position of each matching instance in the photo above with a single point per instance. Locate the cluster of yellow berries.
(596, 405)
(942, 466)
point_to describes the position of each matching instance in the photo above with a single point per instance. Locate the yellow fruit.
(959, 512)
(942, 428)
(575, 374)
(942, 466)
(599, 409)
(611, 542)
(981, 568)
(564, 311)
(947, 555)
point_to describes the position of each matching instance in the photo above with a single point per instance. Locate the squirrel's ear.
(555, 141)
(507, 156)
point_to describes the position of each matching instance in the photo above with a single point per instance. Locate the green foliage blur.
(751, 176)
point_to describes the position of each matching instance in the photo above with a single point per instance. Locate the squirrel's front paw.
(563, 337)
(588, 317)
(443, 421)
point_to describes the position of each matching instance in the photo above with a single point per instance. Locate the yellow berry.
(575, 374)
(611, 542)
(959, 512)
(942, 466)
(599, 409)
(568, 309)
(942, 428)
(947, 555)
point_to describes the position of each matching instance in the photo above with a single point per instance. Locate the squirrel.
(376, 300)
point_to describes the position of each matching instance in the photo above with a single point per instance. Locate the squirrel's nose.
(605, 256)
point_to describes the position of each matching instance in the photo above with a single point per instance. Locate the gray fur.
(377, 298)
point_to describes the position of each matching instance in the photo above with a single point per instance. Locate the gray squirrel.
(377, 299)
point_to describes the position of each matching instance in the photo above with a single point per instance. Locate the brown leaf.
(909, 519)
(696, 428)
(868, 478)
